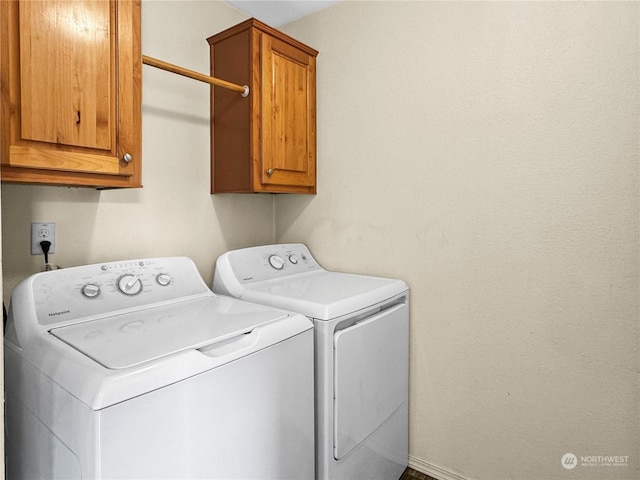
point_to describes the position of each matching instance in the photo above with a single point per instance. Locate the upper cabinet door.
(71, 83)
(288, 111)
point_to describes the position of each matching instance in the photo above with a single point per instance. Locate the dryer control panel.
(267, 262)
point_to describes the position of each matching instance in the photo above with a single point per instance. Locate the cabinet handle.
(127, 157)
(270, 171)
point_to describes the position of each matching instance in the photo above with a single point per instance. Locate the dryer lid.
(130, 339)
(324, 295)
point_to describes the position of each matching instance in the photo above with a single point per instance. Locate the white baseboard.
(433, 470)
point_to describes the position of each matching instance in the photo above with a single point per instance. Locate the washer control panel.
(93, 290)
(266, 262)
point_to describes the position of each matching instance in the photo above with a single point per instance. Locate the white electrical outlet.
(42, 231)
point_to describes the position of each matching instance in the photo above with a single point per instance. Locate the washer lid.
(324, 295)
(125, 340)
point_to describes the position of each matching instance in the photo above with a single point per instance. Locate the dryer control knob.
(293, 259)
(276, 262)
(163, 279)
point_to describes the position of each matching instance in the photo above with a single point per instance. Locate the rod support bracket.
(246, 91)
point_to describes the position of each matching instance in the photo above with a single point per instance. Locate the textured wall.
(173, 214)
(487, 153)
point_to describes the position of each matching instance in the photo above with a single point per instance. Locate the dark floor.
(411, 474)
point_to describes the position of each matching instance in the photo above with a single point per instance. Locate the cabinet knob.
(270, 171)
(127, 157)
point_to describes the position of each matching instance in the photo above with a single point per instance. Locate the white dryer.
(361, 353)
(136, 370)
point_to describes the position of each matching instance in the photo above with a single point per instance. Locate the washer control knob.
(276, 262)
(90, 290)
(163, 279)
(293, 259)
(130, 284)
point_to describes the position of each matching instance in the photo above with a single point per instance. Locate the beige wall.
(487, 153)
(173, 214)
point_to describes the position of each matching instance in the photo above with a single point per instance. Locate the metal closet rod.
(154, 62)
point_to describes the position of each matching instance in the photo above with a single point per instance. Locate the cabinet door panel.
(65, 62)
(71, 78)
(288, 141)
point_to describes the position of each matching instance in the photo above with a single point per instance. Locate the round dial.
(90, 290)
(276, 262)
(129, 284)
(293, 259)
(163, 279)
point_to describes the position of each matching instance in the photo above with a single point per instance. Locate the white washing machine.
(136, 370)
(361, 352)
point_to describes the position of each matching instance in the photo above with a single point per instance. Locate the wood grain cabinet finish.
(265, 142)
(70, 78)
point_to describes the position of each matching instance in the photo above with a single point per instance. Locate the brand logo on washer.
(56, 314)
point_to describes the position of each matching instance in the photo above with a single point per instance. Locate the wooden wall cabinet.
(71, 80)
(265, 142)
